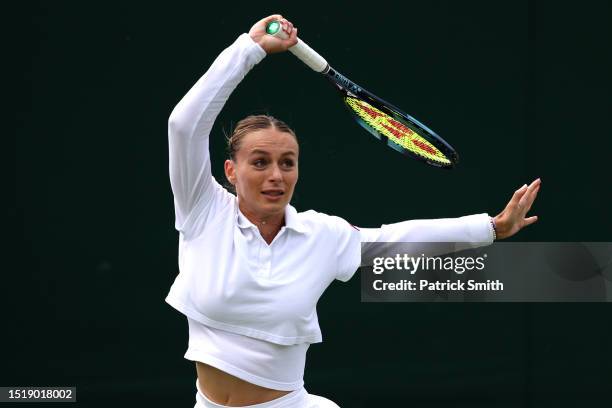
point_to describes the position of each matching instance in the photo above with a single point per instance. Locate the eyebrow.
(265, 153)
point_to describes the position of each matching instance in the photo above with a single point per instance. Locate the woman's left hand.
(272, 44)
(512, 219)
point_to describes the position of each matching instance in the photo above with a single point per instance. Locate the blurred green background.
(520, 88)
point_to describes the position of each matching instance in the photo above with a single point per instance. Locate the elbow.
(176, 126)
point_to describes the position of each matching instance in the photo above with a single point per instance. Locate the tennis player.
(252, 268)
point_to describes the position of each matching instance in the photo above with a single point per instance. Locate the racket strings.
(396, 131)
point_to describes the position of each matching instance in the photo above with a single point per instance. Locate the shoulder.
(320, 222)
(338, 238)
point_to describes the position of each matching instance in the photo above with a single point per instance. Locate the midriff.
(226, 389)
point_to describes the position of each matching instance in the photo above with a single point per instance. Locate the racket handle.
(301, 50)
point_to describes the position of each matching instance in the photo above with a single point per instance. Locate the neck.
(268, 225)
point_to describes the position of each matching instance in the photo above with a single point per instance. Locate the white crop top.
(256, 361)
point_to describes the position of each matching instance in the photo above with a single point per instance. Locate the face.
(264, 172)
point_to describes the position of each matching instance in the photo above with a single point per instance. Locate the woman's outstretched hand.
(269, 43)
(512, 219)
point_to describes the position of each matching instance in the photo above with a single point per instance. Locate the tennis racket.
(386, 122)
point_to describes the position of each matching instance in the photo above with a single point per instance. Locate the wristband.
(494, 228)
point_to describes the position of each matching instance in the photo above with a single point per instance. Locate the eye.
(259, 163)
(288, 163)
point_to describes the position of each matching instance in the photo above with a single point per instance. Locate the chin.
(273, 208)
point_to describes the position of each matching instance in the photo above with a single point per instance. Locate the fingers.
(293, 38)
(287, 26)
(259, 28)
(261, 24)
(272, 18)
(532, 196)
(291, 31)
(512, 218)
(527, 199)
(530, 220)
(518, 194)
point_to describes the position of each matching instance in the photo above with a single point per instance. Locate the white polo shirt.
(231, 279)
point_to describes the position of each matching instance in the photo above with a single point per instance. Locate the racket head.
(392, 126)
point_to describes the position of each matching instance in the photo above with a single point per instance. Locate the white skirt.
(295, 399)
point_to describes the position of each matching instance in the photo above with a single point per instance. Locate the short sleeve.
(348, 248)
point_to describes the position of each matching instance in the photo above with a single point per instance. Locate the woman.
(251, 267)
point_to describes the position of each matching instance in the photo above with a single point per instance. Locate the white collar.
(292, 220)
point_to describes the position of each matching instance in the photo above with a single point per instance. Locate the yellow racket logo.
(394, 130)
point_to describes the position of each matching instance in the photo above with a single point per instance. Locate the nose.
(275, 174)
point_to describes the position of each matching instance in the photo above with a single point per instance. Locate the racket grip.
(301, 50)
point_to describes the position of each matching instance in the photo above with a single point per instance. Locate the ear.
(230, 171)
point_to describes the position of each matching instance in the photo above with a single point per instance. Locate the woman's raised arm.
(195, 191)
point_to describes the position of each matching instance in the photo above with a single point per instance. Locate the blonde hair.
(250, 124)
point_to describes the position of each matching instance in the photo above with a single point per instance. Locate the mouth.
(273, 194)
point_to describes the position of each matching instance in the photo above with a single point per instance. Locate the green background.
(521, 89)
